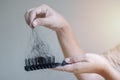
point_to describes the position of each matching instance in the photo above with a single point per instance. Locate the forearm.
(68, 42)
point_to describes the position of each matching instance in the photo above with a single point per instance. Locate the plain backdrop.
(95, 23)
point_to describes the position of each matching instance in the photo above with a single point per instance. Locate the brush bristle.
(40, 63)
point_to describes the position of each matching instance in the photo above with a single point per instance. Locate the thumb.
(80, 58)
(41, 22)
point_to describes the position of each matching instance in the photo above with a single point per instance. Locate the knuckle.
(30, 10)
(44, 7)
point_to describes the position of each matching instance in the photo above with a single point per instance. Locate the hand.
(44, 16)
(85, 63)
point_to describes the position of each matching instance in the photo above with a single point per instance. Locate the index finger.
(32, 16)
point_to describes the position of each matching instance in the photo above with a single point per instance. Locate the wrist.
(65, 28)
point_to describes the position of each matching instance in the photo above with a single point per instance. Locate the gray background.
(96, 25)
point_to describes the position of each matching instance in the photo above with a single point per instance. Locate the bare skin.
(83, 65)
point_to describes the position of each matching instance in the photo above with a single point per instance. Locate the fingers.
(78, 64)
(80, 58)
(87, 63)
(42, 9)
(35, 13)
(81, 67)
(32, 16)
(41, 22)
(27, 16)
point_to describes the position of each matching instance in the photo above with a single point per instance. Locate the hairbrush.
(42, 63)
(39, 54)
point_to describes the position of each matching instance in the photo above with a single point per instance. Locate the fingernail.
(35, 23)
(67, 60)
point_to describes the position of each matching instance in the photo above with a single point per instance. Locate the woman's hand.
(45, 16)
(85, 63)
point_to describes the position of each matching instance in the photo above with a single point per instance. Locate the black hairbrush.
(42, 63)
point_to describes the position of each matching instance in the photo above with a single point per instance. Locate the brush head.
(40, 63)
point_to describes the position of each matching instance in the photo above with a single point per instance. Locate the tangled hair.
(113, 56)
